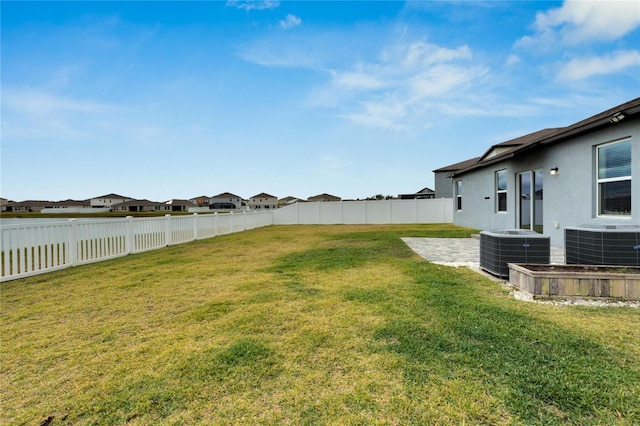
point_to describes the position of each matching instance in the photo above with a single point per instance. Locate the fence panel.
(182, 228)
(206, 225)
(27, 250)
(149, 234)
(99, 240)
(366, 212)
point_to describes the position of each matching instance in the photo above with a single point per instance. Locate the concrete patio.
(459, 251)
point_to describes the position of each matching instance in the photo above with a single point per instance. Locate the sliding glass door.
(531, 197)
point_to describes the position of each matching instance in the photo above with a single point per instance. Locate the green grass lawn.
(306, 325)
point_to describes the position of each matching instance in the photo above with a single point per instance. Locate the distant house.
(179, 205)
(323, 198)
(201, 201)
(108, 200)
(442, 177)
(72, 204)
(423, 194)
(6, 205)
(263, 201)
(287, 201)
(587, 173)
(141, 206)
(226, 201)
(29, 206)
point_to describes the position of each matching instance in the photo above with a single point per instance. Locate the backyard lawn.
(295, 325)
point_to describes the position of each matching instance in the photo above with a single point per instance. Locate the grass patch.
(306, 325)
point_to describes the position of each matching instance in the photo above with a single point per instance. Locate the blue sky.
(164, 100)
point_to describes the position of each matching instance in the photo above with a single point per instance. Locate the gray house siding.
(443, 185)
(570, 197)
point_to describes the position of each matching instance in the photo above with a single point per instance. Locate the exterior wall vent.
(499, 248)
(603, 245)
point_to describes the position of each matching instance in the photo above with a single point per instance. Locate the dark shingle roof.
(554, 135)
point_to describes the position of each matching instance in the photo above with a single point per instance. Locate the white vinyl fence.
(36, 248)
(366, 212)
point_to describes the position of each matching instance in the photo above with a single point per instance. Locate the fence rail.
(31, 249)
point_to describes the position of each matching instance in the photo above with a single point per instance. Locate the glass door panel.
(531, 195)
(537, 210)
(525, 200)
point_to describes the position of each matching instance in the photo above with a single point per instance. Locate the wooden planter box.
(584, 281)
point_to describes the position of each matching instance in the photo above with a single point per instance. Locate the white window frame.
(501, 191)
(458, 190)
(608, 180)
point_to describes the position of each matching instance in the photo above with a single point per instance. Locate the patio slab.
(459, 251)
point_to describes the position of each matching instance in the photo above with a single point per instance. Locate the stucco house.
(287, 201)
(29, 206)
(587, 173)
(141, 206)
(226, 201)
(442, 177)
(108, 200)
(263, 201)
(200, 201)
(177, 205)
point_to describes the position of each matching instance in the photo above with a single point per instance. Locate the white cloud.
(33, 114)
(582, 68)
(356, 80)
(281, 53)
(577, 22)
(32, 102)
(332, 165)
(396, 91)
(290, 21)
(253, 4)
(512, 60)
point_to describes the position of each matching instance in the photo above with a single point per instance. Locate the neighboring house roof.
(83, 203)
(290, 199)
(112, 196)
(426, 191)
(34, 203)
(139, 203)
(264, 195)
(227, 195)
(420, 194)
(324, 196)
(175, 202)
(610, 117)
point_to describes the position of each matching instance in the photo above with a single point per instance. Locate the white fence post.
(215, 224)
(73, 242)
(195, 226)
(167, 230)
(129, 242)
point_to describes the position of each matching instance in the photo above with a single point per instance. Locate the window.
(614, 178)
(458, 195)
(501, 191)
